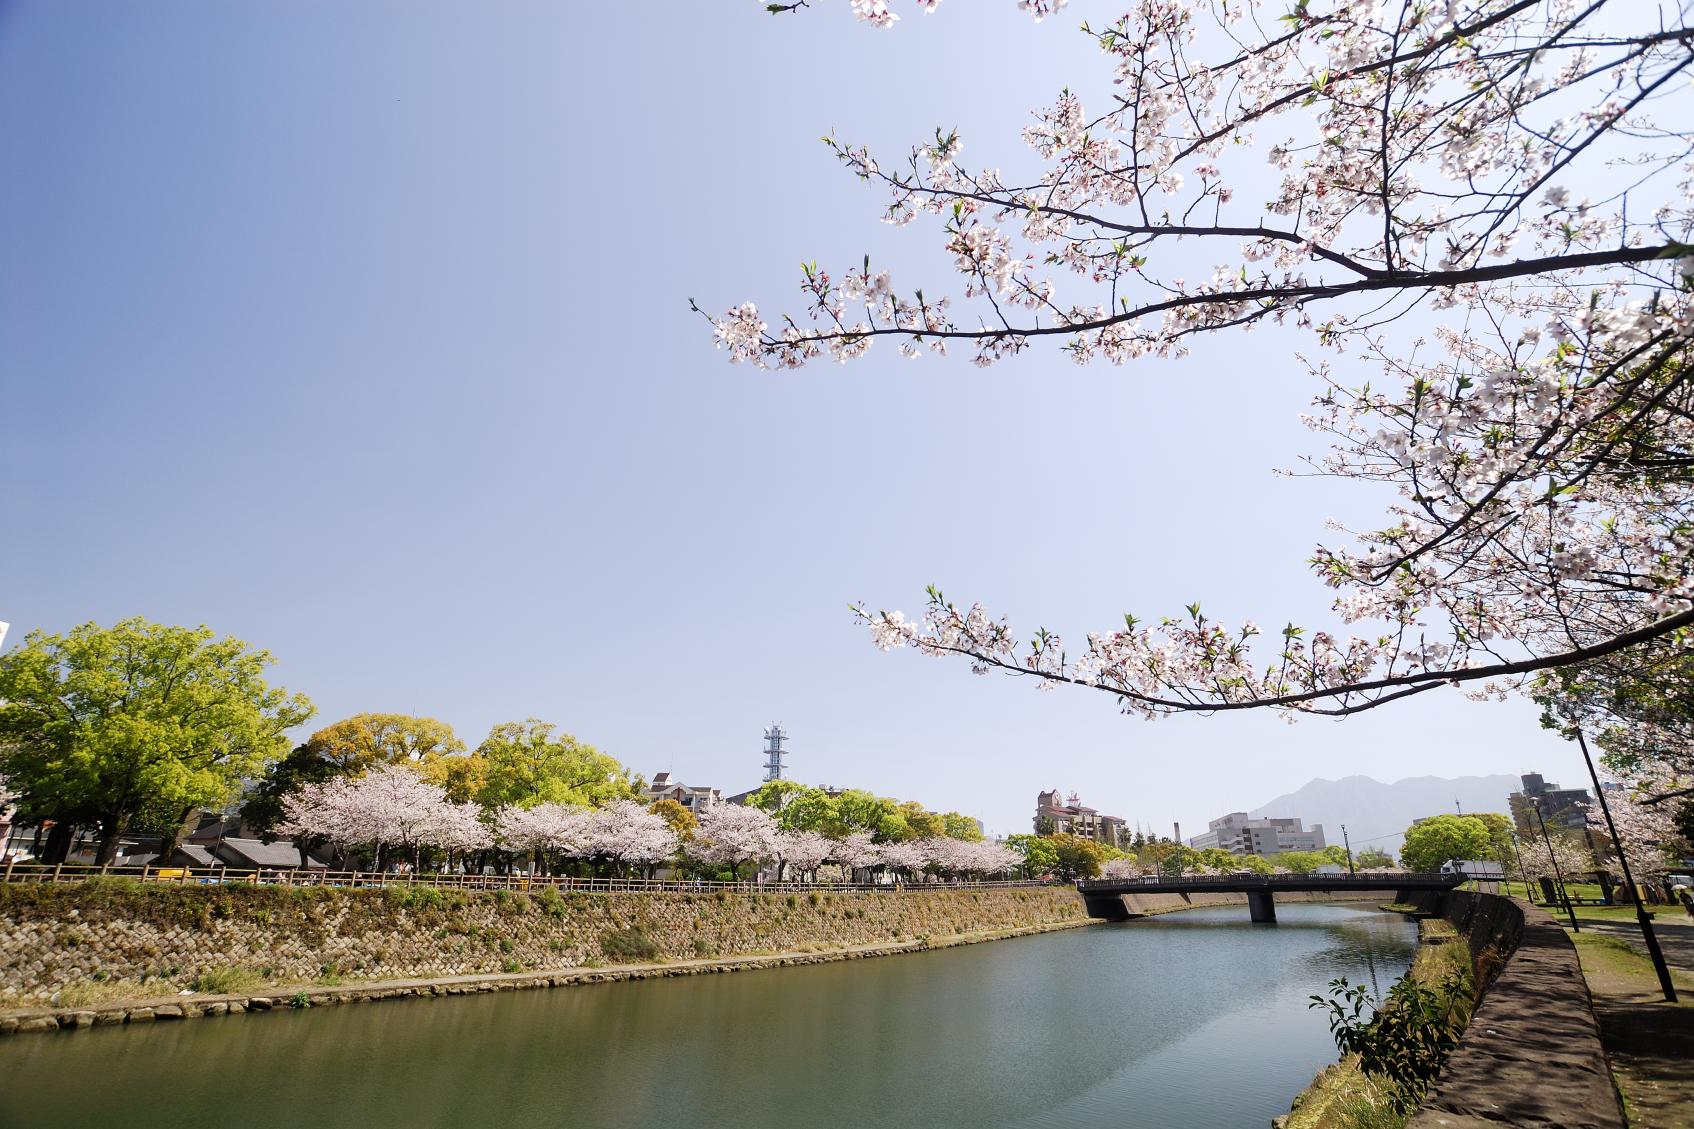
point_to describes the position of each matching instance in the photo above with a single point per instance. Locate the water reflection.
(1195, 1019)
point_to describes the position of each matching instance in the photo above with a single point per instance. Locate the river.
(1195, 1020)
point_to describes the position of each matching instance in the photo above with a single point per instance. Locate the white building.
(695, 799)
(1240, 835)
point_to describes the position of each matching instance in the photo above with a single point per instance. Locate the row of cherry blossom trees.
(394, 809)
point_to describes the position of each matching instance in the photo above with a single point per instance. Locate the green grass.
(1620, 957)
(225, 981)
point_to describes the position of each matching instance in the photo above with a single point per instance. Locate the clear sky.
(360, 331)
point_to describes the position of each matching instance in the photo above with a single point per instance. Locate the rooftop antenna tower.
(774, 752)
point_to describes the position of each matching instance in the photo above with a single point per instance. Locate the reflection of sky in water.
(1194, 1019)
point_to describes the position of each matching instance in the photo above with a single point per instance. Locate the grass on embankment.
(1343, 1096)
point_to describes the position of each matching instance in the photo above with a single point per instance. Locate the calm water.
(1195, 1019)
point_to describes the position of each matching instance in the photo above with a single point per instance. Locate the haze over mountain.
(1377, 814)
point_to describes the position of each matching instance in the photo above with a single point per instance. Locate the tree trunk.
(58, 843)
(111, 827)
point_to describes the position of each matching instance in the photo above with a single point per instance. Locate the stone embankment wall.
(77, 944)
(1531, 1055)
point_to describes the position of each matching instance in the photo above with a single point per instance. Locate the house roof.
(255, 852)
(195, 854)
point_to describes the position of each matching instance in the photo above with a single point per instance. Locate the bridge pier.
(1262, 907)
(1107, 907)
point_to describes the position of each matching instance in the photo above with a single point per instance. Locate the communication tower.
(774, 752)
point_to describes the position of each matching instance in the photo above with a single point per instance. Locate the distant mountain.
(1378, 814)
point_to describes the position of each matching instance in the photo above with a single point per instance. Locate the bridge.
(1104, 896)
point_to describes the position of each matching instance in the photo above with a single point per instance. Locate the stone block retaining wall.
(1532, 1054)
(107, 939)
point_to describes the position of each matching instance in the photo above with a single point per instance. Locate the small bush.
(505, 944)
(551, 903)
(222, 981)
(511, 964)
(628, 945)
(301, 1001)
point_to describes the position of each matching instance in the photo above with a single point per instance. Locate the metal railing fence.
(364, 879)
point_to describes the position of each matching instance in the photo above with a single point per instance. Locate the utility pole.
(1176, 828)
(1351, 873)
(1554, 858)
(1642, 917)
(1457, 806)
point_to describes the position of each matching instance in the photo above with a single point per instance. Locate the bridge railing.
(1373, 880)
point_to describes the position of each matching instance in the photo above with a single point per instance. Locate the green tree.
(528, 763)
(921, 824)
(108, 724)
(262, 805)
(1039, 855)
(774, 795)
(1437, 839)
(366, 740)
(961, 827)
(860, 811)
(681, 820)
(1257, 864)
(1299, 862)
(1077, 857)
(1373, 858)
(350, 748)
(1500, 829)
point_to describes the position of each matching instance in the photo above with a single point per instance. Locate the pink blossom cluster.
(1645, 825)
(879, 14)
(390, 806)
(1535, 440)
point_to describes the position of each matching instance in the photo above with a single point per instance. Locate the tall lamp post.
(1642, 917)
(1517, 848)
(1554, 859)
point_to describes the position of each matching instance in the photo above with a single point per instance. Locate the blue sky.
(361, 332)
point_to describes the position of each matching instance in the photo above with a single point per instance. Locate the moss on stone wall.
(80, 942)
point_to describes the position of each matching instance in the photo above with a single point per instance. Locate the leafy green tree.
(858, 810)
(961, 827)
(921, 824)
(1258, 864)
(1500, 829)
(1437, 839)
(351, 747)
(1299, 862)
(528, 763)
(1077, 857)
(681, 820)
(1218, 859)
(1373, 858)
(262, 805)
(366, 740)
(1039, 855)
(774, 795)
(105, 724)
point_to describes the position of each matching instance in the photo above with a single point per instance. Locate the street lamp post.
(1517, 848)
(1642, 917)
(1554, 859)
